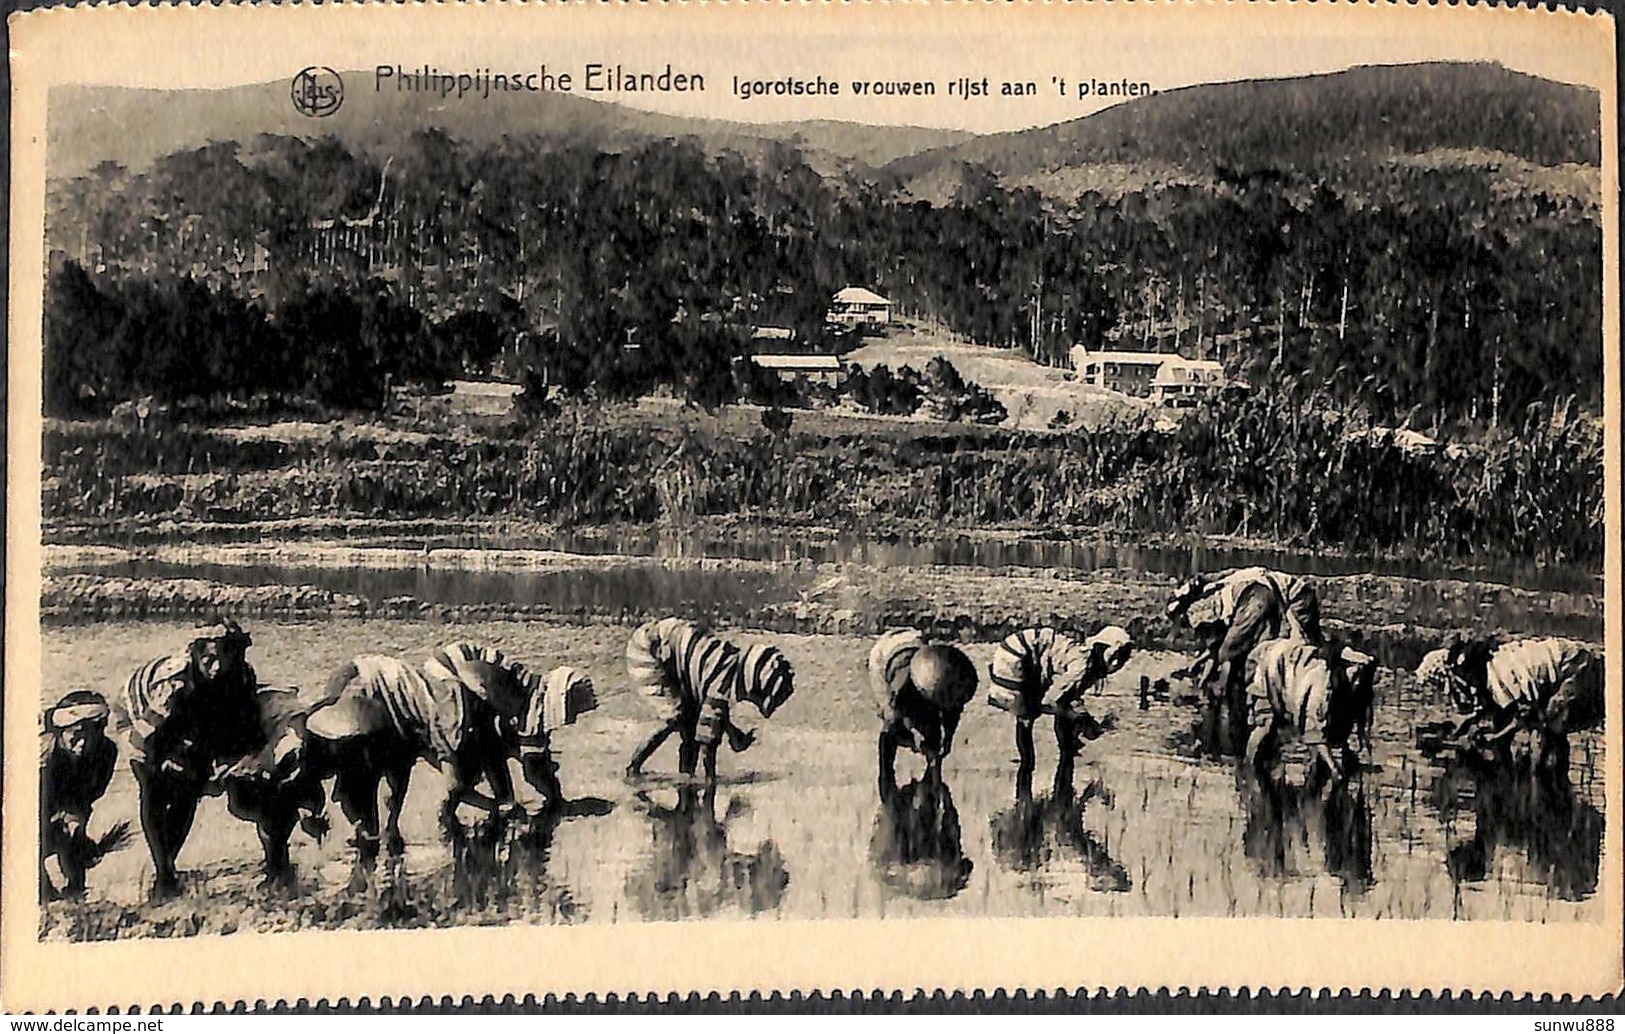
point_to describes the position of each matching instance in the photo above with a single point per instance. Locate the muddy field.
(797, 828)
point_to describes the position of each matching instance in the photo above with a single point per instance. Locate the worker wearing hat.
(76, 764)
(1528, 694)
(193, 714)
(1044, 671)
(920, 689)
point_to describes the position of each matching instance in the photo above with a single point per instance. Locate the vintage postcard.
(886, 496)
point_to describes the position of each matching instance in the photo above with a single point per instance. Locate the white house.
(859, 307)
(1184, 382)
(1163, 377)
(1130, 373)
(823, 369)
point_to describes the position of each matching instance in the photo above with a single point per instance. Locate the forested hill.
(1426, 242)
(1310, 123)
(133, 127)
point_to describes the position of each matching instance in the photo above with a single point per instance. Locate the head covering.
(1435, 667)
(943, 675)
(567, 695)
(765, 678)
(1115, 642)
(226, 631)
(1188, 591)
(79, 706)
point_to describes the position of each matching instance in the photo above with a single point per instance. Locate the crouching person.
(467, 709)
(1520, 700)
(276, 788)
(1235, 612)
(921, 690)
(1324, 692)
(192, 715)
(1042, 671)
(566, 695)
(692, 679)
(76, 764)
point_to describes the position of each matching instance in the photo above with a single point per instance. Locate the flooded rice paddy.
(798, 829)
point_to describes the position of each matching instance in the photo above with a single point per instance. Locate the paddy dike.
(1395, 616)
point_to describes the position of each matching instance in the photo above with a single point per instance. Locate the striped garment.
(691, 675)
(566, 695)
(1294, 681)
(172, 718)
(1036, 667)
(504, 684)
(766, 679)
(889, 662)
(685, 673)
(1529, 672)
(432, 706)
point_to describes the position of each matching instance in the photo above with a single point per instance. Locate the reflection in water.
(1035, 834)
(1283, 821)
(503, 864)
(1219, 728)
(916, 850)
(611, 589)
(1558, 834)
(689, 872)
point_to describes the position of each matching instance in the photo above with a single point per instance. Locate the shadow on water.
(1036, 834)
(916, 850)
(1283, 820)
(688, 870)
(1556, 833)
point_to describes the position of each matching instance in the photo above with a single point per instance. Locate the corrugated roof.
(860, 296)
(1122, 358)
(819, 363)
(1081, 355)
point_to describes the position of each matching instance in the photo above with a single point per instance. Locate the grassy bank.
(1295, 473)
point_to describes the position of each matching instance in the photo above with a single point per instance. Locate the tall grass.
(1294, 470)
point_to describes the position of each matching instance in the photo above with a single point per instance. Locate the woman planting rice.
(693, 678)
(1236, 611)
(1520, 699)
(921, 689)
(467, 709)
(1324, 692)
(76, 764)
(192, 715)
(1041, 671)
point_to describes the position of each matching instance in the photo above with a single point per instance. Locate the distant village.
(1164, 378)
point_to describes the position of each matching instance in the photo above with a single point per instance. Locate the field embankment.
(1287, 471)
(1399, 618)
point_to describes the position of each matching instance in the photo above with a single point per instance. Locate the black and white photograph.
(551, 482)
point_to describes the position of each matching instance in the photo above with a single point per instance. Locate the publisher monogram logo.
(317, 92)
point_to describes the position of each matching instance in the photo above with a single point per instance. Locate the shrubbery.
(1278, 466)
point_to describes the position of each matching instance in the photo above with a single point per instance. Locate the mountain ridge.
(135, 126)
(1303, 122)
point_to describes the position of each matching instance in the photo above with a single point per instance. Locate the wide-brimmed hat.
(1435, 667)
(76, 708)
(943, 675)
(1186, 593)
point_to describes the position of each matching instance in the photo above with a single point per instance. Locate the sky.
(1164, 45)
